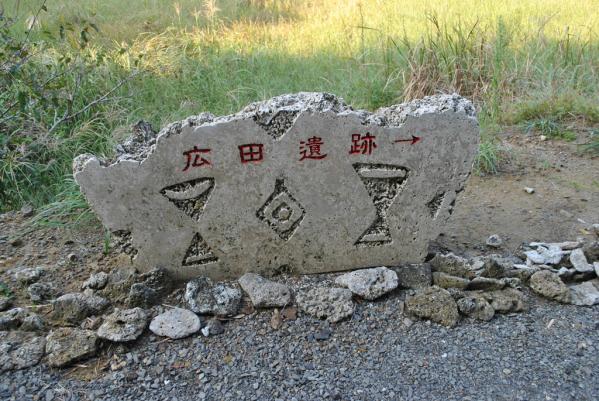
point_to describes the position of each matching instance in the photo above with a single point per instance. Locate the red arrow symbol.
(412, 141)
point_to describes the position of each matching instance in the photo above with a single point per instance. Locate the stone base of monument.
(299, 183)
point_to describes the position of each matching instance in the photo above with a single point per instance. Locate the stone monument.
(299, 183)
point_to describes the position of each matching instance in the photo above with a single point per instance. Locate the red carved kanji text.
(251, 153)
(194, 158)
(362, 144)
(310, 149)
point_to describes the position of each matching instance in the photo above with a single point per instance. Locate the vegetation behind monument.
(75, 76)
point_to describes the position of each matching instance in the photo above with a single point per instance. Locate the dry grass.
(521, 61)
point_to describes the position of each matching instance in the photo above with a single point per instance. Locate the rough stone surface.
(142, 296)
(32, 322)
(513, 282)
(579, 261)
(445, 280)
(591, 251)
(508, 300)
(74, 307)
(96, 281)
(453, 265)
(40, 292)
(476, 307)
(150, 287)
(494, 241)
(28, 275)
(369, 283)
(5, 302)
(549, 254)
(332, 304)
(19, 350)
(67, 345)
(175, 323)
(522, 272)
(585, 294)
(436, 304)
(486, 284)
(213, 328)
(495, 267)
(123, 325)
(414, 276)
(12, 318)
(222, 196)
(265, 293)
(549, 285)
(203, 296)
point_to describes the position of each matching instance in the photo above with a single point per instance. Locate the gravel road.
(548, 353)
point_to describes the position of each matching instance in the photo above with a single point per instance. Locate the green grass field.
(528, 63)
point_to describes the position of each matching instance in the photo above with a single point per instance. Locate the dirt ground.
(564, 205)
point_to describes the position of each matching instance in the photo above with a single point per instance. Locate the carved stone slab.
(299, 183)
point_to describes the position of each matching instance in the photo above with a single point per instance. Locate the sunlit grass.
(530, 63)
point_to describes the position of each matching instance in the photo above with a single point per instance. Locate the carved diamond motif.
(281, 211)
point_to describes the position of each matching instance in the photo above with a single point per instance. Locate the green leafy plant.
(4, 290)
(47, 105)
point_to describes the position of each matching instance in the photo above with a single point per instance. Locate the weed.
(513, 58)
(487, 159)
(106, 247)
(592, 146)
(4, 290)
(545, 165)
(551, 129)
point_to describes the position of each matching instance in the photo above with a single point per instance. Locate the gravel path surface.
(548, 353)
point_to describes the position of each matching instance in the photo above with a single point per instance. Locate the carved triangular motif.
(198, 253)
(383, 183)
(190, 196)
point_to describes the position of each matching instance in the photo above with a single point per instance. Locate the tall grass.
(520, 61)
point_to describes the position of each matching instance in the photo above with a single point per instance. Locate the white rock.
(566, 245)
(494, 241)
(453, 265)
(579, 261)
(529, 190)
(550, 254)
(265, 293)
(203, 296)
(28, 275)
(369, 283)
(175, 323)
(333, 304)
(596, 267)
(123, 325)
(96, 281)
(585, 294)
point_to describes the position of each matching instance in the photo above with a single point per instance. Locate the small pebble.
(494, 241)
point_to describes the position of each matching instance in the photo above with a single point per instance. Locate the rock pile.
(442, 290)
